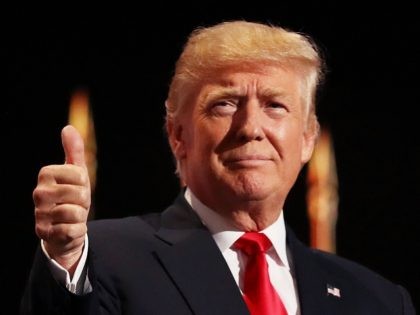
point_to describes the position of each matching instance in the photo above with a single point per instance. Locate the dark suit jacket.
(169, 264)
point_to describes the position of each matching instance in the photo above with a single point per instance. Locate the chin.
(251, 188)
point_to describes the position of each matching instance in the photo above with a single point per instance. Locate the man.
(241, 124)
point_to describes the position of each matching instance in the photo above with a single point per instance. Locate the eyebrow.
(270, 93)
(234, 92)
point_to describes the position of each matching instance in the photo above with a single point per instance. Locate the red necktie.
(259, 294)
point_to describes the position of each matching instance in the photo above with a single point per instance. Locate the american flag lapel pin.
(334, 291)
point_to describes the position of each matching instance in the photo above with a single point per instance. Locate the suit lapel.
(316, 289)
(196, 266)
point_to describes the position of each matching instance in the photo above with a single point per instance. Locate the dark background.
(125, 58)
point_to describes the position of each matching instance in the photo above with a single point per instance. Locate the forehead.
(266, 81)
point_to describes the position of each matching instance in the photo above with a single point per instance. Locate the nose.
(249, 124)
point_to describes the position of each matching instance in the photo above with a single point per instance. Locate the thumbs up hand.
(62, 199)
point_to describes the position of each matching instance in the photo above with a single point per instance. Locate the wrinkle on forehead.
(229, 85)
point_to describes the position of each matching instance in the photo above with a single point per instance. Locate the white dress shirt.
(225, 235)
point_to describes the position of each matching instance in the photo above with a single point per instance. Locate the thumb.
(74, 148)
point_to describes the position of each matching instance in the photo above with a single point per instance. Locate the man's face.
(244, 137)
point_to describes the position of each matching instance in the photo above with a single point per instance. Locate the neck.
(252, 218)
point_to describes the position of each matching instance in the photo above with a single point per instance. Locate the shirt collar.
(225, 233)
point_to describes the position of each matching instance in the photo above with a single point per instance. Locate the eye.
(276, 109)
(224, 107)
(276, 105)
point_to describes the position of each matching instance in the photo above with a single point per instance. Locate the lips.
(247, 160)
(246, 157)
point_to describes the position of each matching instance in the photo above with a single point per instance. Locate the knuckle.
(41, 232)
(45, 173)
(36, 195)
(39, 215)
(39, 194)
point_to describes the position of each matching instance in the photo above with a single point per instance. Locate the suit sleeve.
(44, 295)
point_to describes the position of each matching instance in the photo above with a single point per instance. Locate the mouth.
(251, 160)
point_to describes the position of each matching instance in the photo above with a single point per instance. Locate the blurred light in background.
(322, 194)
(80, 116)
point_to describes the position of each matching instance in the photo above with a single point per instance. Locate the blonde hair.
(245, 45)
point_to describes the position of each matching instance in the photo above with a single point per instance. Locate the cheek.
(211, 136)
(200, 145)
(288, 144)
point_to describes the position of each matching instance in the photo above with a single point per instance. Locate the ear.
(176, 138)
(310, 136)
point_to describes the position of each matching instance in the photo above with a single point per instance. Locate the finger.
(45, 196)
(64, 213)
(65, 233)
(60, 234)
(69, 213)
(63, 174)
(73, 146)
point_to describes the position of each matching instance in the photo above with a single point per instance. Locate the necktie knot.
(253, 243)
